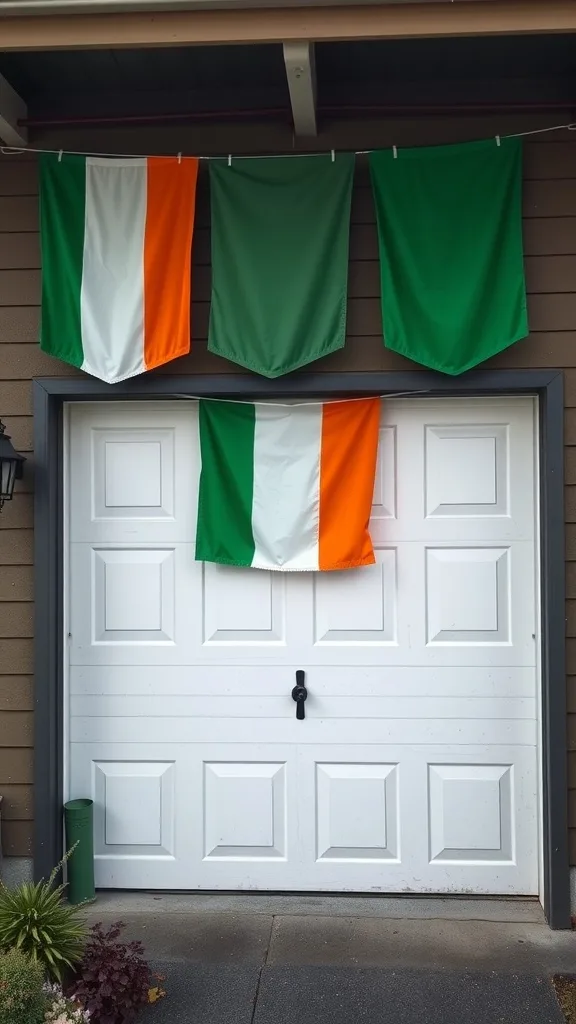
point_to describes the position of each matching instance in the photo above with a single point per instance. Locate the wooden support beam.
(12, 109)
(301, 75)
(285, 25)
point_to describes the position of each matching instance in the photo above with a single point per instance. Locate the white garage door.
(415, 768)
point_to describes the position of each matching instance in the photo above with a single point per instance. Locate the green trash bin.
(79, 825)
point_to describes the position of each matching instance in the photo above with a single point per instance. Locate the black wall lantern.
(11, 466)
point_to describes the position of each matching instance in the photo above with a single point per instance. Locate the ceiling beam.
(301, 75)
(284, 25)
(12, 110)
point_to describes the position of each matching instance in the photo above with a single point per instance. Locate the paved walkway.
(246, 959)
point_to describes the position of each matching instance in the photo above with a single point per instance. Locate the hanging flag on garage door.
(451, 261)
(280, 230)
(116, 237)
(287, 487)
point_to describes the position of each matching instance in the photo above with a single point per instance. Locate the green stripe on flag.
(224, 532)
(449, 224)
(280, 230)
(62, 216)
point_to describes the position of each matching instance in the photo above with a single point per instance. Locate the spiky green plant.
(22, 1000)
(36, 920)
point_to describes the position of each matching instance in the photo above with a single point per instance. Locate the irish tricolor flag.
(287, 487)
(116, 238)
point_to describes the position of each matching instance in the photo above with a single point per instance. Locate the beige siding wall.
(550, 245)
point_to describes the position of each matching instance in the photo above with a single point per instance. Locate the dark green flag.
(280, 232)
(451, 263)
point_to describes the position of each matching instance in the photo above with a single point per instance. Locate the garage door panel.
(127, 471)
(468, 471)
(357, 811)
(243, 606)
(418, 836)
(326, 681)
(319, 705)
(152, 605)
(468, 595)
(384, 818)
(166, 809)
(357, 607)
(475, 602)
(145, 802)
(414, 769)
(132, 599)
(230, 789)
(478, 820)
(437, 655)
(286, 730)
(133, 595)
(135, 813)
(470, 812)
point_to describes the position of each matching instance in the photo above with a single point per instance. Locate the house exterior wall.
(550, 250)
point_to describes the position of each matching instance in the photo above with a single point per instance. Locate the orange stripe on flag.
(349, 447)
(170, 205)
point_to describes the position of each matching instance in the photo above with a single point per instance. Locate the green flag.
(280, 232)
(451, 264)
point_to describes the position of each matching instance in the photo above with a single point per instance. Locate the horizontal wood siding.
(550, 247)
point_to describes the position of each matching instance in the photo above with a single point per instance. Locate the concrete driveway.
(258, 959)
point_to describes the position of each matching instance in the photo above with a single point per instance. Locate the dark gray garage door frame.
(50, 395)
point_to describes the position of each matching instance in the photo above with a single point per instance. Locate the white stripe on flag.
(113, 331)
(286, 501)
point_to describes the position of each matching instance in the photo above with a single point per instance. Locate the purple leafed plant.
(113, 978)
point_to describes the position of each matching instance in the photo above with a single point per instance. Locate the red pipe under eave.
(280, 112)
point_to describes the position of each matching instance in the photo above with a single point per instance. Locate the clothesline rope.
(19, 150)
(296, 403)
